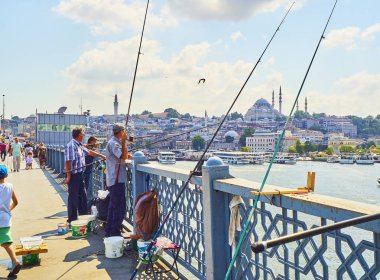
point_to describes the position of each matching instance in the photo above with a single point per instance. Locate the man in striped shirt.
(75, 166)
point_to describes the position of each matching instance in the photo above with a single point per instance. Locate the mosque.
(262, 109)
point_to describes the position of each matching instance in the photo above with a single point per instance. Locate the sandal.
(15, 270)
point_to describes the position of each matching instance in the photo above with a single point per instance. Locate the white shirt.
(5, 204)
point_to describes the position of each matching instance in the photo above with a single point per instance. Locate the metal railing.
(201, 219)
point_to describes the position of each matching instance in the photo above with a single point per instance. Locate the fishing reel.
(100, 166)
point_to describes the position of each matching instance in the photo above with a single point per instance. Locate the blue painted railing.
(200, 223)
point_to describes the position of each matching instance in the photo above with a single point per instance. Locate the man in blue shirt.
(16, 152)
(75, 166)
(116, 153)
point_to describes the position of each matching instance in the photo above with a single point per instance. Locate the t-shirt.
(29, 160)
(16, 147)
(3, 147)
(5, 204)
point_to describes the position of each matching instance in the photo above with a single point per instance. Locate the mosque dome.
(261, 110)
(262, 103)
(232, 134)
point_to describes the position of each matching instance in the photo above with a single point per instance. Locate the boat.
(255, 158)
(285, 159)
(365, 159)
(333, 159)
(346, 159)
(179, 154)
(376, 158)
(166, 157)
(233, 157)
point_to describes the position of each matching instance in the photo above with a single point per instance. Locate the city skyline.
(55, 54)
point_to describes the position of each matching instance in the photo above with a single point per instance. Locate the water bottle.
(94, 211)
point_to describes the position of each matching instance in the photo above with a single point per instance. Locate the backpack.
(147, 215)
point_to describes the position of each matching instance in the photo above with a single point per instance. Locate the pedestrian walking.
(3, 150)
(16, 152)
(8, 201)
(42, 154)
(116, 154)
(75, 165)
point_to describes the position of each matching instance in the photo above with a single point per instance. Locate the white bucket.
(114, 246)
(89, 218)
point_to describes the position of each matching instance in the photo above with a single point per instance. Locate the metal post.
(138, 178)
(216, 217)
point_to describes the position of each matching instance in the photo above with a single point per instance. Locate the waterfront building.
(313, 136)
(336, 140)
(263, 141)
(183, 144)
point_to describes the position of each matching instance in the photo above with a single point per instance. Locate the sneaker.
(15, 270)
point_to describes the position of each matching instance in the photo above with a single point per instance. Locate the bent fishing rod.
(201, 159)
(261, 246)
(247, 223)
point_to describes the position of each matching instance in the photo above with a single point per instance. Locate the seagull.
(201, 80)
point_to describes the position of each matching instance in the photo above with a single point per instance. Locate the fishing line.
(184, 186)
(244, 232)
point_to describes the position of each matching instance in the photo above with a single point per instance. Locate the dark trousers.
(77, 201)
(116, 210)
(88, 186)
(3, 154)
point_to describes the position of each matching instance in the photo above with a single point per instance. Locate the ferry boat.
(166, 157)
(179, 154)
(346, 159)
(376, 158)
(233, 157)
(365, 159)
(285, 159)
(256, 158)
(333, 159)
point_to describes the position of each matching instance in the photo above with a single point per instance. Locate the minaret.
(115, 106)
(305, 104)
(205, 119)
(280, 101)
(273, 99)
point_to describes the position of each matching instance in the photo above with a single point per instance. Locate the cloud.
(236, 36)
(369, 32)
(160, 83)
(356, 94)
(345, 37)
(350, 37)
(111, 16)
(224, 10)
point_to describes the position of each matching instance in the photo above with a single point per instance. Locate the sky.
(71, 52)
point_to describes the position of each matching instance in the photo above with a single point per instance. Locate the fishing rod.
(137, 63)
(201, 159)
(261, 246)
(244, 232)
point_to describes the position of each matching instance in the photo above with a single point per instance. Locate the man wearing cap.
(116, 154)
(75, 166)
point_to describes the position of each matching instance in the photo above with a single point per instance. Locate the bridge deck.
(42, 205)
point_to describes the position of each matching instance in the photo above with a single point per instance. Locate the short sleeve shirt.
(5, 204)
(16, 149)
(113, 154)
(75, 152)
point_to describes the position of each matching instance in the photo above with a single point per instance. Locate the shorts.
(5, 235)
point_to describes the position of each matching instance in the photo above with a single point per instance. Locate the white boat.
(333, 159)
(166, 157)
(376, 158)
(233, 157)
(346, 159)
(365, 159)
(256, 158)
(285, 159)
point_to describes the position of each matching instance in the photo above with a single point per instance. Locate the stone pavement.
(42, 205)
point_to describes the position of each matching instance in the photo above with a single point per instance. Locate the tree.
(245, 149)
(198, 143)
(329, 151)
(236, 115)
(248, 132)
(186, 116)
(319, 115)
(346, 149)
(299, 147)
(318, 128)
(292, 150)
(172, 113)
(151, 116)
(309, 147)
(301, 115)
(229, 139)
(146, 112)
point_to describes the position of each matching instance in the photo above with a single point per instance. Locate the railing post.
(138, 178)
(216, 218)
(376, 241)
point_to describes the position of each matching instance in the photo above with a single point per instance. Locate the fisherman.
(75, 166)
(89, 159)
(116, 154)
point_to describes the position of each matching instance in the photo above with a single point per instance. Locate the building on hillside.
(287, 142)
(343, 125)
(336, 140)
(183, 144)
(261, 110)
(263, 141)
(315, 137)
